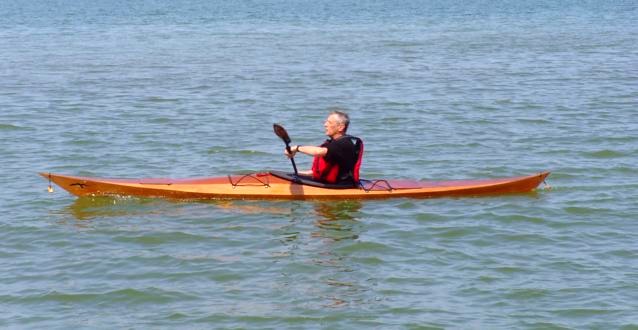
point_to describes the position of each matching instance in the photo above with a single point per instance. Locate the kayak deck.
(268, 186)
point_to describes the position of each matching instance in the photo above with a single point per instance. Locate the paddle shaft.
(292, 160)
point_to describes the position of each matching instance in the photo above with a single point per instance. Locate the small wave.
(523, 238)
(581, 210)
(365, 246)
(623, 254)
(122, 295)
(9, 127)
(157, 239)
(605, 154)
(160, 120)
(217, 150)
(510, 270)
(251, 152)
(145, 295)
(534, 121)
(396, 104)
(158, 99)
(454, 232)
(372, 261)
(176, 316)
(518, 218)
(401, 43)
(246, 101)
(524, 294)
(583, 312)
(84, 142)
(625, 170)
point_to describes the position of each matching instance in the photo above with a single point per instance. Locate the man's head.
(336, 124)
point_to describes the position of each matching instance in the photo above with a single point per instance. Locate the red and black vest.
(324, 171)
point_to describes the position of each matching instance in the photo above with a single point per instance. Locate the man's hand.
(293, 151)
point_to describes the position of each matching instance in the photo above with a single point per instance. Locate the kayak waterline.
(280, 185)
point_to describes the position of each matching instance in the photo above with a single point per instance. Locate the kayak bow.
(279, 185)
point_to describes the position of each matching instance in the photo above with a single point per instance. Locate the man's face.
(332, 126)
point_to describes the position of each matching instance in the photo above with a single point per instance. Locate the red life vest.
(329, 172)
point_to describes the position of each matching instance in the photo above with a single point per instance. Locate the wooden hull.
(267, 186)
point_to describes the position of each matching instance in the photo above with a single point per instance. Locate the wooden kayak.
(280, 185)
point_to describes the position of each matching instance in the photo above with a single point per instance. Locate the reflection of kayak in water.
(279, 185)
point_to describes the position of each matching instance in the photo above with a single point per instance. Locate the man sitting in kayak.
(338, 159)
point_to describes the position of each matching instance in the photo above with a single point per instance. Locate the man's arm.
(308, 150)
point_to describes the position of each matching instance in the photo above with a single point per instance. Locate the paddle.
(281, 132)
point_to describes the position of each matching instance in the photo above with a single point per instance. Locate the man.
(338, 159)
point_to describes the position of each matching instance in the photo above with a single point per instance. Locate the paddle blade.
(281, 132)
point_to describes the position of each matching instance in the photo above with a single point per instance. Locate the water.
(438, 90)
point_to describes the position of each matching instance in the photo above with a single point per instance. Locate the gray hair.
(342, 117)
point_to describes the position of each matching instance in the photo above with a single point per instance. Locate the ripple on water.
(150, 239)
(128, 296)
(13, 128)
(364, 247)
(605, 154)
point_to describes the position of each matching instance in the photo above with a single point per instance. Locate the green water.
(438, 90)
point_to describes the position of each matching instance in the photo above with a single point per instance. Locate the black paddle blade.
(281, 132)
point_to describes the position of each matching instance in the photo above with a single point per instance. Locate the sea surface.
(437, 89)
